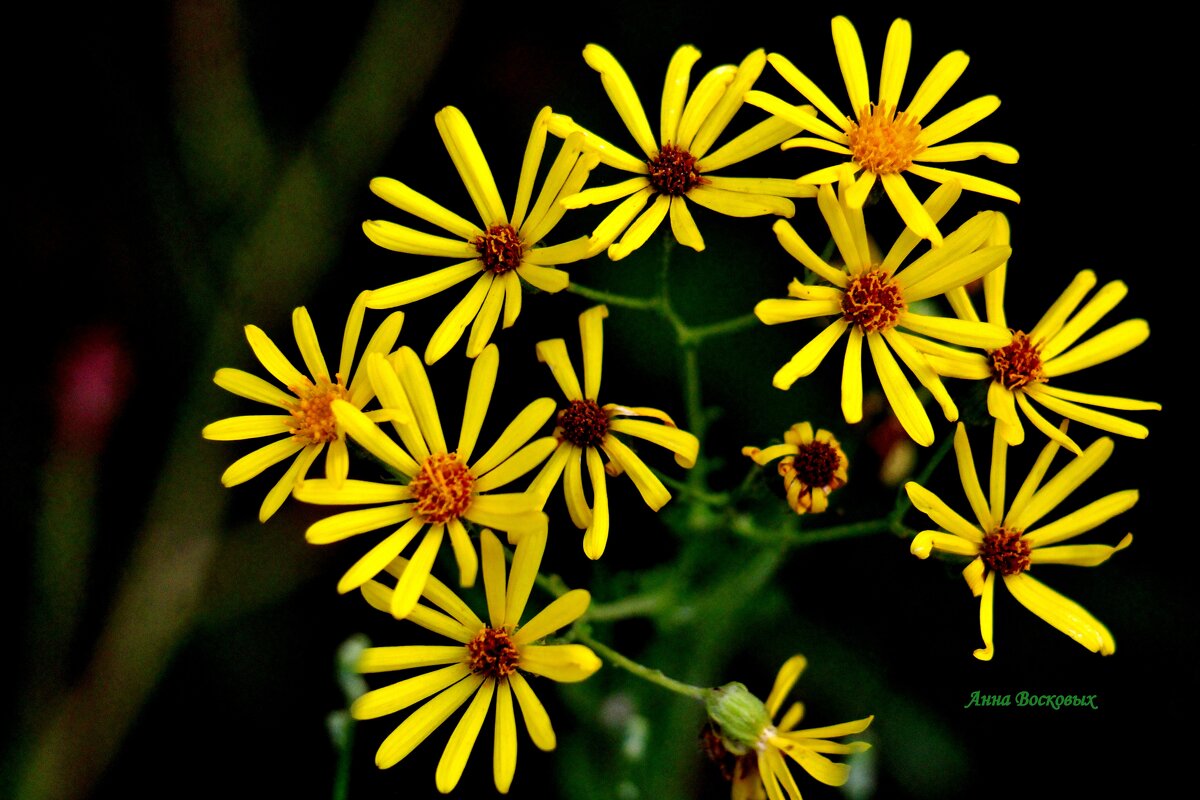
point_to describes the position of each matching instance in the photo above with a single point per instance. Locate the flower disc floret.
(872, 301)
(583, 423)
(1005, 552)
(500, 249)
(312, 420)
(1019, 364)
(493, 653)
(442, 488)
(673, 171)
(882, 142)
(817, 463)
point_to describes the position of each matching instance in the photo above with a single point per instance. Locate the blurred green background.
(183, 169)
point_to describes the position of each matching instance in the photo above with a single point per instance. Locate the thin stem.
(613, 299)
(642, 605)
(793, 538)
(723, 328)
(714, 499)
(583, 635)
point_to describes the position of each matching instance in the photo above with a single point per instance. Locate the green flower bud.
(740, 716)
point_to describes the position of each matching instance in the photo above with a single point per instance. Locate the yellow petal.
(939, 80)
(900, 395)
(504, 747)
(1064, 614)
(516, 435)
(416, 386)
(933, 507)
(527, 560)
(623, 96)
(410, 656)
(287, 482)
(1060, 487)
(684, 445)
(472, 167)
(647, 483)
(254, 463)
(452, 327)
(252, 387)
(675, 91)
(1078, 555)
(852, 392)
(401, 695)
(553, 353)
(247, 427)
(641, 229)
(854, 67)
(987, 605)
(537, 721)
(462, 740)
(958, 120)
(785, 679)
(400, 239)
(799, 250)
(970, 479)
(596, 535)
(559, 614)
(809, 357)
(272, 359)
(529, 165)
(422, 722)
(412, 582)
(895, 63)
(683, 226)
(352, 523)
(414, 289)
(417, 204)
(565, 663)
(1085, 519)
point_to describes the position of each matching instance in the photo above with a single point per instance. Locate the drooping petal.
(647, 483)
(809, 357)
(596, 535)
(852, 391)
(683, 226)
(422, 722)
(641, 229)
(295, 473)
(537, 721)
(1062, 613)
(933, 507)
(452, 327)
(900, 395)
(987, 605)
(254, 463)
(970, 479)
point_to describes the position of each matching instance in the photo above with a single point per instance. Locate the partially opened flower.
(1012, 544)
(1028, 365)
(881, 144)
(586, 428)
(308, 426)
(444, 488)
(678, 165)
(870, 299)
(501, 252)
(748, 732)
(811, 465)
(488, 660)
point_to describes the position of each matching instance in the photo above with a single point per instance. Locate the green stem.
(613, 299)
(583, 635)
(642, 605)
(714, 499)
(723, 328)
(793, 539)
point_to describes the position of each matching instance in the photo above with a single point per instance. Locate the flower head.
(871, 299)
(881, 144)
(1011, 544)
(501, 252)
(678, 166)
(308, 427)
(747, 732)
(1027, 366)
(487, 660)
(812, 466)
(444, 487)
(586, 428)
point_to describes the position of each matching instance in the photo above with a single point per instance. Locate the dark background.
(188, 168)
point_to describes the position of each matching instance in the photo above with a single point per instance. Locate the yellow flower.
(870, 299)
(880, 143)
(748, 733)
(585, 428)
(444, 487)
(679, 165)
(1022, 368)
(1011, 544)
(501, 252)
(309, 425)
(812, 466)
(488, 661)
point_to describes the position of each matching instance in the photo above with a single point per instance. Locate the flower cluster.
(909, 305)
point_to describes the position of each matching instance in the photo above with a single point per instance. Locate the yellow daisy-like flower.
(812, 466)
(1011, 544)
(678, 166)
(309, 424)
(870, 299)
(585, 428)
(502, 251)
(488, 661)
(444, 487)
(1023, 368)
(748, 732)
(884, 145)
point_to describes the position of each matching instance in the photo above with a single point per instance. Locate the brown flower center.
(882, 142)
(500, 249)
(1005, 552)
(442, 488)
(817, 464)
(312, 419)
(583, 423)
(872, 301)
(673, 171)
(493, 653)
(1018, 364)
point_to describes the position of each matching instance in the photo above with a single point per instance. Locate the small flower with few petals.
(678, 166)
(811, 465)
(444, 488)
(487, 660)
(1012, 544)
(882, 143)
(501, 252)
(586, 428)
(308, 426)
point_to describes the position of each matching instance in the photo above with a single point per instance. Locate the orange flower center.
(816, 465)
(883, 142)
(493, 653)
(673, 171)
(1005, 552)
(1018, 364)
(442, 488)
(872, 301)
(312, 419)
(583, 423)
(500, 249)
